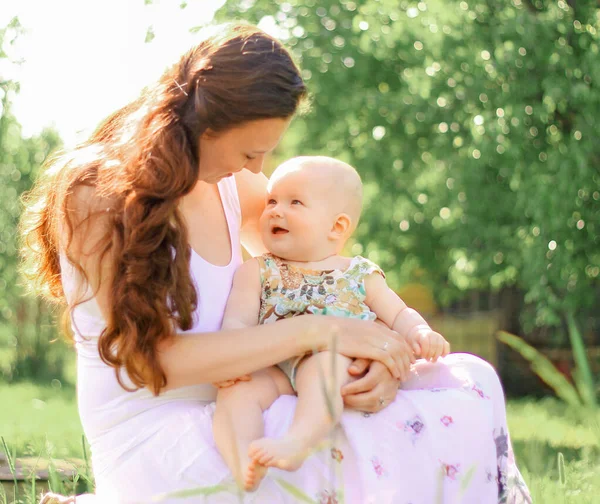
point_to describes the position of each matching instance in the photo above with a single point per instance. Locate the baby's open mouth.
(279, 230)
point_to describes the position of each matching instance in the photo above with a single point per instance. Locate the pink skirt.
(443, 440)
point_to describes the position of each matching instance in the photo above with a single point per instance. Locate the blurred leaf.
(542, 366)
(586, 386)
(149, 35)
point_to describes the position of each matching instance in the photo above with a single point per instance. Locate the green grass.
(40, 420)
(44, 420)
(542, 429)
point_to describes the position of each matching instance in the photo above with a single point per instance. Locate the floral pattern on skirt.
(444, 440)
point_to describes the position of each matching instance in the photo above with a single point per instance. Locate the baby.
(313, 206)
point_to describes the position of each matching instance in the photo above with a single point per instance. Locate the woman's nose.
(255, 165)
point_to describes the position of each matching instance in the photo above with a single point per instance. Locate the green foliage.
(26, 325)
(474, 127)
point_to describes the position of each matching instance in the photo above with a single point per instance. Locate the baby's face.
(299, 216)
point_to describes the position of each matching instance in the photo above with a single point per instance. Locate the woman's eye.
(296, 202)
(250, 157)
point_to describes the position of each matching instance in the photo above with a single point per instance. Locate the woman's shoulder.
(83, 204)
(84, 199)
(252, 189)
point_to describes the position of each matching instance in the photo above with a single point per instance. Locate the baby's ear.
(341, 226)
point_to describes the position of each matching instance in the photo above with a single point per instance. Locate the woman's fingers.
(360, 402)
(364, 384)
(405, 358)
(376, 399)
(400, 353)
(369, 340)
(387, 358)
(359, 366)
(367, 401)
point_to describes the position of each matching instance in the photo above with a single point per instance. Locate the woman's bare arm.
(252, 189)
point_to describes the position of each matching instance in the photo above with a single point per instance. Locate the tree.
(26, 325)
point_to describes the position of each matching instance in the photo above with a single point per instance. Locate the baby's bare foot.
(287, 453)
(255, 473)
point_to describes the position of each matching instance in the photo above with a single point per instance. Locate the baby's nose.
(276, 211)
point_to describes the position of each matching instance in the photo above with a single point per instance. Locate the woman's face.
(223, 154)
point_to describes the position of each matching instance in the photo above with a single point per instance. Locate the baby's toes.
(255, 450)
(262, 455)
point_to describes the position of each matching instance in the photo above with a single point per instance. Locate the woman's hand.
(364, 339)
(373, 391)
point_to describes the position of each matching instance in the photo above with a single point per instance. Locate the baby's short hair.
(338, 178)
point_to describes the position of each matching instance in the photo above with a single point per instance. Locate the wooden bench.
(28, 469)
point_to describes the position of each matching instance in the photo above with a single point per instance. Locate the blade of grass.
(466, 479)
(33, 477)
(11, 467)
(327, 393)
(193, 492)
(87, 477)
(295, 491)
(3, 494)
(54, 481)
(562, 475)
(33, 492)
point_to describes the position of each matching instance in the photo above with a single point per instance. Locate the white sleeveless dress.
(444, 439)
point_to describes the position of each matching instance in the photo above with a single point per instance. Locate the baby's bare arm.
(242, 307)
(243, 304)
(388, 307)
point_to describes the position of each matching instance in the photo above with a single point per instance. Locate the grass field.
(43, 420)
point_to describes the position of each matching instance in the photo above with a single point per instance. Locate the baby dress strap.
(361, 267)
(268, 268)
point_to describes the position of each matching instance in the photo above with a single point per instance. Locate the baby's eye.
(296, 202)
(271, 201)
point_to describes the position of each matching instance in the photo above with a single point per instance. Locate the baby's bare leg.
(317, 412)
(238, 421)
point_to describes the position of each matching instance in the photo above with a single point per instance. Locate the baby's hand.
(230, 383)
(431, 344)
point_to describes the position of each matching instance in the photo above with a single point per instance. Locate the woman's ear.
(340, 227)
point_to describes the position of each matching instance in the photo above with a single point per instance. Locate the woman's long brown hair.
(139, 162)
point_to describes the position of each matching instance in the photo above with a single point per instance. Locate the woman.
(139, 231)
